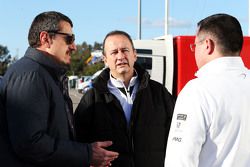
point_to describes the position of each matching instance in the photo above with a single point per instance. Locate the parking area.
(75, 96)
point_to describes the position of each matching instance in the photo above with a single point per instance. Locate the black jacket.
(100, 116)
(36, 117)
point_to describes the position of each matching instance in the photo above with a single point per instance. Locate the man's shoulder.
(24, 69)
(156, 84)
(158, 88)
(23, 65)
(92, 93)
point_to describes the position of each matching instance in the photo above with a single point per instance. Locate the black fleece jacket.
(100, 117)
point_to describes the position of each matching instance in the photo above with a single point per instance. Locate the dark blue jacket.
(36, 118)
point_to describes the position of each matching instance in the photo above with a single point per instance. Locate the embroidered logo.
(177, 139)
(178, 124)
(182, 117)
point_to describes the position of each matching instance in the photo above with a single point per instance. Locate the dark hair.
(46, 21)
(116, 32)
(226, 29)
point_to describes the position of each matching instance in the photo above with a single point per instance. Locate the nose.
(121, 55)
(73, 46)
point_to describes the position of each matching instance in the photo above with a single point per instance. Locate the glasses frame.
(193, 45)
(69, 38)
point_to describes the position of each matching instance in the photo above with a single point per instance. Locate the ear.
(44, 39)
(210, 46)
(104, 59)
(135, 54)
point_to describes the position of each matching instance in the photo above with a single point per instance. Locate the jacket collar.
(45, 60)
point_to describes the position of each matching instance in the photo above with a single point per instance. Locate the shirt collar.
(221, 64)
(119, 83)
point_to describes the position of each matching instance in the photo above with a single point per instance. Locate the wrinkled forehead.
(117, 42)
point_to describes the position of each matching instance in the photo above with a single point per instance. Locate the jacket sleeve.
(83, 117)
(28, 113)
(188, 129)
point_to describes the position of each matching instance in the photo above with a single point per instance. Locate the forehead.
(117, 41)
(65, 26)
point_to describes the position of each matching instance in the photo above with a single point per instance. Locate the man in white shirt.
(210, 126)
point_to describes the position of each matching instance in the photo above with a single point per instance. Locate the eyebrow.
(120, 49)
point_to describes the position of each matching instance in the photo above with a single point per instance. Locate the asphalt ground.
(75, 97)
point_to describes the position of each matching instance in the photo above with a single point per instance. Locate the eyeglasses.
(193, 46)
(69, 38)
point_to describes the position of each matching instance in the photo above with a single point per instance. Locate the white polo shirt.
(126, 99)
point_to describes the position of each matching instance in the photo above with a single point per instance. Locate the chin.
(122, 71)
(67, 62)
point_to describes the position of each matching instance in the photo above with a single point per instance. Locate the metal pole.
(166, 17)
(139, 19)
(249, 17)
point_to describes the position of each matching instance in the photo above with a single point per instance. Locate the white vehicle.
(170, 61)
(156, 56)
(80, 82)
(84, 86)
(72, 81)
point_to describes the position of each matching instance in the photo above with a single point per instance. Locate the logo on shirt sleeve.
(182, 117)
(177, 139)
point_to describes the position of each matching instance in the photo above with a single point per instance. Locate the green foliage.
(97, 46)
(91, 69)
(5, 59)
(78, 64)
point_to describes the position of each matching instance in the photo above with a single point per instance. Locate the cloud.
(173, 23)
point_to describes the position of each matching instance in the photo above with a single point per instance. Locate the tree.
(97, 46)
(5, 59)
(78, 59)
(79, 65)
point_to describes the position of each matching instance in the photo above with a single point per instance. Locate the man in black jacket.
(36, 126)
(126, 107)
